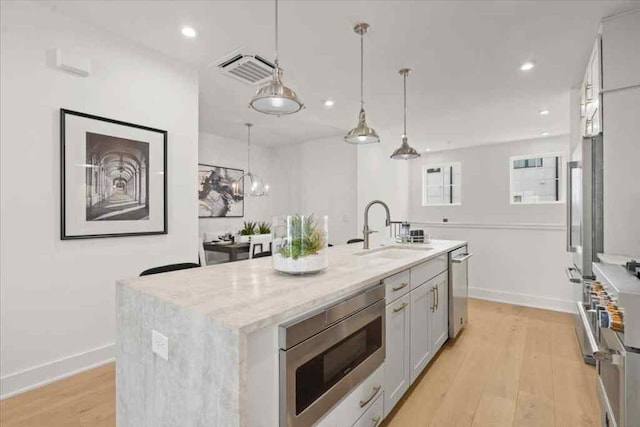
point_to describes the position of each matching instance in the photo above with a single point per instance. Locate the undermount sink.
(390, 252)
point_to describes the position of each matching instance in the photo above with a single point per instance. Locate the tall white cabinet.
(397, 376)
(621, 133)
(417, 317)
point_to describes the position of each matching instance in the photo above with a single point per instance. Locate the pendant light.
(362, 133)
(274, 97)
(405, 152)
(257, 187)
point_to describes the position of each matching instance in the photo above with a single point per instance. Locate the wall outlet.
(160, 344)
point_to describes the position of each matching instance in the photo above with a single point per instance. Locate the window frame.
(425, 186)
(561, 178)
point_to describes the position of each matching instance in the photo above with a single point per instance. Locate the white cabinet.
(359, 401)
(425, 271)
(440, 315)
(397, 285)
(422, 300)
(620, 51)
(417, 325)
(590, 111)
(397, 340)
(329, 420)
(374, 415)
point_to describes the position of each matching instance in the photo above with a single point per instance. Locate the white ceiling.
(466, 88)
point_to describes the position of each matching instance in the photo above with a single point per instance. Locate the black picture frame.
(240, 175)
(64, 113)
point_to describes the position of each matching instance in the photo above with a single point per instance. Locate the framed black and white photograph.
(114, 177)
(220, 192)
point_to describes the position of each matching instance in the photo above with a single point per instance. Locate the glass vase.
(300, 244)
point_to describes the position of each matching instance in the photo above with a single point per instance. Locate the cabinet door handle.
(402, 286)
(437, 297)
(374, 392)
(402, 307)
(433, 298)
(376, 421)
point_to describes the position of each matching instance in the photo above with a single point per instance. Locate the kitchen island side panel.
(197, 386)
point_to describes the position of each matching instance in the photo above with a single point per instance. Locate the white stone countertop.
(249, 295)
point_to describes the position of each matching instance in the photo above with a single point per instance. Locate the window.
(536, 179)
(441, 184)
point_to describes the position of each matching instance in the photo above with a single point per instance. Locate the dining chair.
(262, 254)
(202, 254)
(259, 241)
(169, 267)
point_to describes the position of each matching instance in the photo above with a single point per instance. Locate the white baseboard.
(28, 379)
(535, 301)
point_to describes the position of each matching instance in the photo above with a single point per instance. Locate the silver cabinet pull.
(374, 392)
(437, 292)
(376, 421)
(402, 307)
(402, 286)
(433, 298)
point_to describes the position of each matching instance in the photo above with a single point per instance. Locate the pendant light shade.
(405, 152)
(255, 185)
(274, 97)
(362, 133)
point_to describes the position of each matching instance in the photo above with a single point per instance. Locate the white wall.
(319, 177)
(485, 184)
(381, 178)
(519, 250)
(219, 151)
(57, 297)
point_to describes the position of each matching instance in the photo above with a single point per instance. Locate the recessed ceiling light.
(189, 32)
(328, 103)
(428, 149)
(527, 66)
(545, 134)
(544, 112)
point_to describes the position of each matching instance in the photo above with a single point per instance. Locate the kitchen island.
(221, 328)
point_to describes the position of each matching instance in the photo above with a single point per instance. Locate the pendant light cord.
(248, 149)
(276, 33)
(362, 70)
(405, 104)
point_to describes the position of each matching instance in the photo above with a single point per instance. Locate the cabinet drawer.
(373, 416)
(397, 285)
(425, 271)
(360, 399)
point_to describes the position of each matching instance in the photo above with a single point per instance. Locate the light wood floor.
(511, 366)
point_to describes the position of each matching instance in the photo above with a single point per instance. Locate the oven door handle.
(597, 352)
(374, 392)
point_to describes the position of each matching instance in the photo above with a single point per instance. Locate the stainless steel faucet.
(366, 231)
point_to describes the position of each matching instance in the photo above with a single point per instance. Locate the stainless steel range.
(614, 300)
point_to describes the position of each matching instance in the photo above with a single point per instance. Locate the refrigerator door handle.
(570, 167)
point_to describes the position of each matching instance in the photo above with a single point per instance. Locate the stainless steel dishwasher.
(458, 289)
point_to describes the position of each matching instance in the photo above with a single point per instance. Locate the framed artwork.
(220, 194)
(113, 178)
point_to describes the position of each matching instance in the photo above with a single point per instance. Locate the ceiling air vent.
(250, 69)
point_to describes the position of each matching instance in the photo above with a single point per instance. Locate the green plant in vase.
(264, 228)
(249, 228)
(306, 238)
